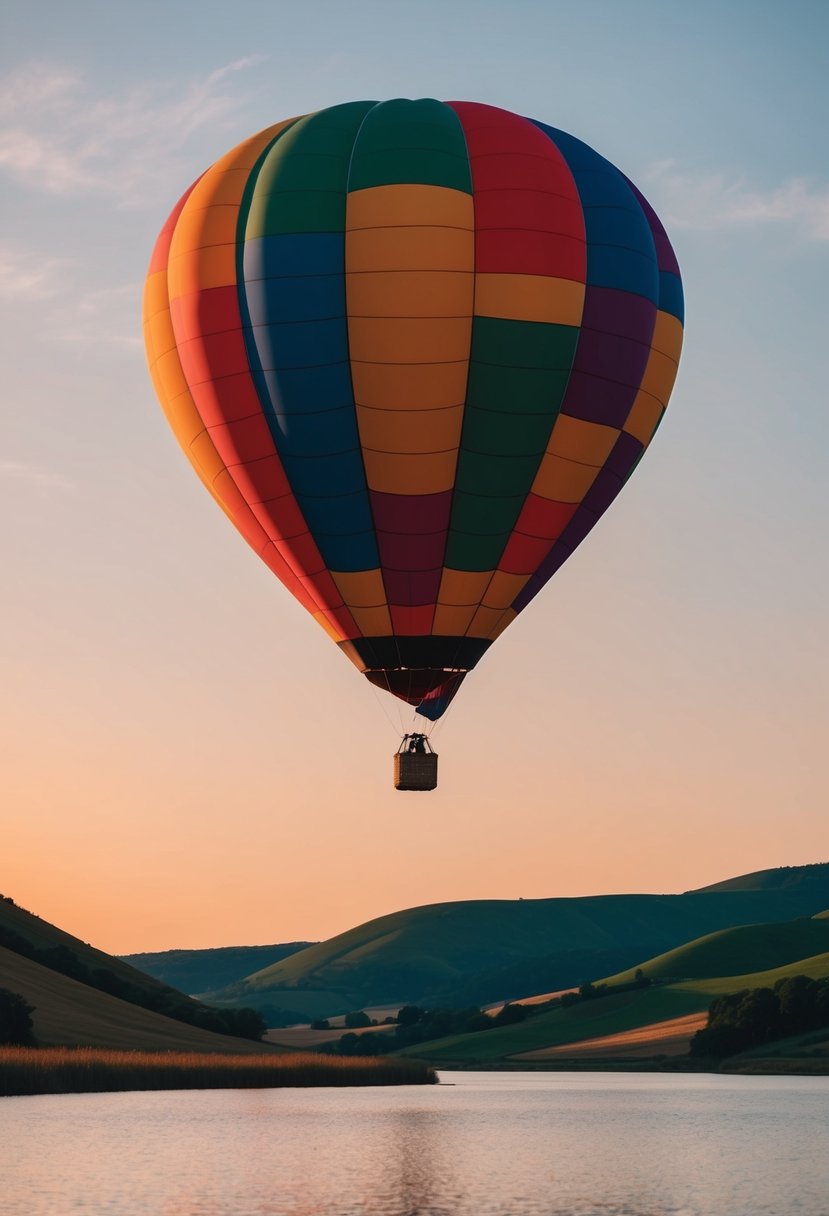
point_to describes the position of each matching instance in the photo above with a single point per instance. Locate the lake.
(480, 1144)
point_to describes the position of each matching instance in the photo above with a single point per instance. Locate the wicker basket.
(415, 770)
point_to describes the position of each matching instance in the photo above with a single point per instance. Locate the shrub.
(409, 1014)
(357, 1019)
(510, 1015)
(15, 1018)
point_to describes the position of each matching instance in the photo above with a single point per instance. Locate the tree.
(349, 1045)
(510, 1014)
(796, 995)
(739, 1021)
(409, 1015)
(320, 1024)
(246, 1023)
(822, 1002)
(758, 1016)
(479, 1021)
(15, 1019)
(357, 1019)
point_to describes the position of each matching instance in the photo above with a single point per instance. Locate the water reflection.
(487, 1145)
(416, 1179)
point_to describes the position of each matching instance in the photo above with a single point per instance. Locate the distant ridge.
(477, 951)
(199, 971)
(779, 879)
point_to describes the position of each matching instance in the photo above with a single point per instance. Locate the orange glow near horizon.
(161, 801)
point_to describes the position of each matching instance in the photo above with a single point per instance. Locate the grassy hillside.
(608, 1015)
(68, 1013)
(736, 951)
(688, 979)
(780, 879)
(285, 1006)
(640, 1044)
(816, 968)
(199, 971)
(587, 1020)
(63, 956)
(424, 954)
(44, 936)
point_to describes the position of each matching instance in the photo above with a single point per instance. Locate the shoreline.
(759, 1066)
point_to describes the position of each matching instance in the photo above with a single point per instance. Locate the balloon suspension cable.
(378, 698)
(438, 725)
(401, 727)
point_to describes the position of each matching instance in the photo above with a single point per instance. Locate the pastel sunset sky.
(185, 759)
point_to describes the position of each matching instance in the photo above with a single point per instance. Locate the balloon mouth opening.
(424, 671)
(414, 684)
(429, 690)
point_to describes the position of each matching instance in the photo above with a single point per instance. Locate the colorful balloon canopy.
(414, 350)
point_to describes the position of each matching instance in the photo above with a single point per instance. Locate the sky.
(185, 758)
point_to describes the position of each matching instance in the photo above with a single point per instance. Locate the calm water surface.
(511, 1144)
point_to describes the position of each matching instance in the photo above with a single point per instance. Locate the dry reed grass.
(60, 1070)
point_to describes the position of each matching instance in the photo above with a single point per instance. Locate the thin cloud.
(103, 316)
(712, 201)
(58, 138)
(108, 315)
(36, 87)
(29, 276)
(33, 475)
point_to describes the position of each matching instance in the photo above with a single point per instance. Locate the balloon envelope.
(414, 350)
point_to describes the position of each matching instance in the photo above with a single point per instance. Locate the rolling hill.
(71, 1014)
(198, 971)
(433, 954)
(738, 951)
(779, 879)
(686, 981)
(610, 1015)
(586, 1020)
(18, 923)
(816, 967)
(84, 997)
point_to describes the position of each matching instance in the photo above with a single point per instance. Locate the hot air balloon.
(413, 349)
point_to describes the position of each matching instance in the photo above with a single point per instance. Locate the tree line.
(742, 1020)
(416, 1025)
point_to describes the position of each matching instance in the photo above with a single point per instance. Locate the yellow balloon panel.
(393, 473)
(529, 297)
(586, 442)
